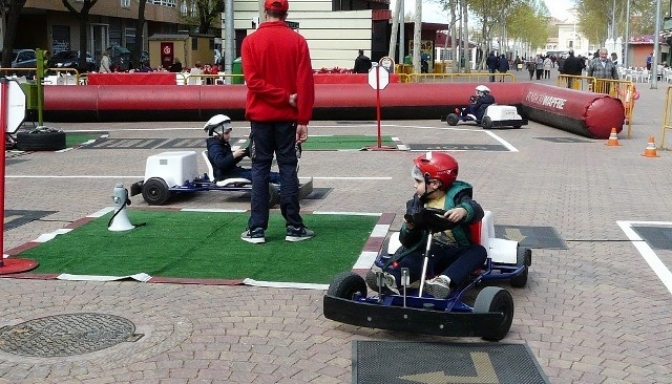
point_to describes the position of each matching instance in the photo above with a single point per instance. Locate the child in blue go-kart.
(477, 105)
(454, 256)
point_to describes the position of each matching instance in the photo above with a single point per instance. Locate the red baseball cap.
(277, 5)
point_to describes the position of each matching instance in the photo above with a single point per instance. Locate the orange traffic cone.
(650, 150)
(613, 139)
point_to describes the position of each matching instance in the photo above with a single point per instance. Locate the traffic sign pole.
(11, 265)
(378, 80)
(378, 103)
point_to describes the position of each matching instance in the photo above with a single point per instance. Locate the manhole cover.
(66, 335)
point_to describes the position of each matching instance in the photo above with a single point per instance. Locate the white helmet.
(482, 89)
(218, 125)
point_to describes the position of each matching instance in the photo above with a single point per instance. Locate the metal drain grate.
(66, 335)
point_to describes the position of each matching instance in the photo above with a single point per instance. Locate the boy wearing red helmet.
(454, 256)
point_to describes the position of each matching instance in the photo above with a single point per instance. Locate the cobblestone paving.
(592, 313)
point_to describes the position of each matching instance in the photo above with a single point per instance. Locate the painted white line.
(502, 141)
(380, 230)
(102, 212)
(275, 284)
(48, 236)
(142, 177)
(645, 250)
(346, 213)
(365, 260)
(213, 210)
(350, 178)
(72, 177)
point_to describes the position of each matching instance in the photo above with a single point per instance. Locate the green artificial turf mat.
(345, 142)
(73, 139)
(206, 245)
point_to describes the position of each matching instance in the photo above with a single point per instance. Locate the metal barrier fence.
(477, 77)
(213, 79)
(667, 120)
(57, 76)
(620, 89)
(579, 83)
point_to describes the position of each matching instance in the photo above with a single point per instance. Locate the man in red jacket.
(280, 96)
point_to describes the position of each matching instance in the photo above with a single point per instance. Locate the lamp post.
(627, 36)
(654, 60)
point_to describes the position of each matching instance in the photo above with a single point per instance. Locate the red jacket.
(276, 64)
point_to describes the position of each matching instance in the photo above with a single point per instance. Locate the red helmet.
(437, 165)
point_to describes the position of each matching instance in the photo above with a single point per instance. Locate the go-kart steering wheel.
(431, 219)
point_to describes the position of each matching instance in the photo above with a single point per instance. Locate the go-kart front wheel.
(486, 123)
(452, 119)
(495, 299)
(346, 285)
(155, 191)
(524, 258)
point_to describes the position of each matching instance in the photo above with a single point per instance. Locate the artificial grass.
(73, 139)
(206, 245)
(344, 142)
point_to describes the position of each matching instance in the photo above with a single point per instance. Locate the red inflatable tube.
(584, 113)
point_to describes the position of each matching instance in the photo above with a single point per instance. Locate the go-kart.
(170, 173)
(413, 310)
(495, 116)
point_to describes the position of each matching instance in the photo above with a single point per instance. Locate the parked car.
(70, 59)
(23, 58)
(120, 58)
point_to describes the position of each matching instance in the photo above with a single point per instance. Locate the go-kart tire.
(155, 191)
(524, 258)
(495, 299)
(486, 123)
(452, 119)
(517, 126)
(273, 196)
(346, 285)
(41, 139)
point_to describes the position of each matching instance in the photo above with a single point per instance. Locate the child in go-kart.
(477, 105)
(223, 159)
(454, 256)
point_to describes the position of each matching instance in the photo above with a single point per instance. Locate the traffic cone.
(650, 150)
(613, 139)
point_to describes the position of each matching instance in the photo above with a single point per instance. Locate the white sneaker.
(390, 283)
(471, 116)
(439, 287)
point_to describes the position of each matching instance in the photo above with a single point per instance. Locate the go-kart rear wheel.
(524, 258)
(273, 196)
(517, 126)
(155, 191)
(346, 285)
(486, 123)
(452, 119)
(495, 299)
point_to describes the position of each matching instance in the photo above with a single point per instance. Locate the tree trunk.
(139, 34)
(11, 25)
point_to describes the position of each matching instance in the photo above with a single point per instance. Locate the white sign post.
(378, 78)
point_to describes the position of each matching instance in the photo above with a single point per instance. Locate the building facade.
(335, 29)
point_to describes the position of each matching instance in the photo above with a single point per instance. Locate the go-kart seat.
(226, 182)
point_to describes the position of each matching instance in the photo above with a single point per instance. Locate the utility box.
(188, 48)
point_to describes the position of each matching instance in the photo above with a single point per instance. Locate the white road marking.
(645, 250)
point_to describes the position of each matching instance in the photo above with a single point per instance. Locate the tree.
(139, 34)
(83, 17)
(202, 13)
(11, 11)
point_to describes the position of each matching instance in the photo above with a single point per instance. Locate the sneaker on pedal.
(295, 234)
(439, 287)
(472, 116)
(254, 236)
(390, 283)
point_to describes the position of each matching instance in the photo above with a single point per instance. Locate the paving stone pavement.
(593, 313)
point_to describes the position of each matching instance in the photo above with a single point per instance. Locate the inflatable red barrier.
(347, 78)
(584, 113)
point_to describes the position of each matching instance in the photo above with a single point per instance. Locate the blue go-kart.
(415, 311)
